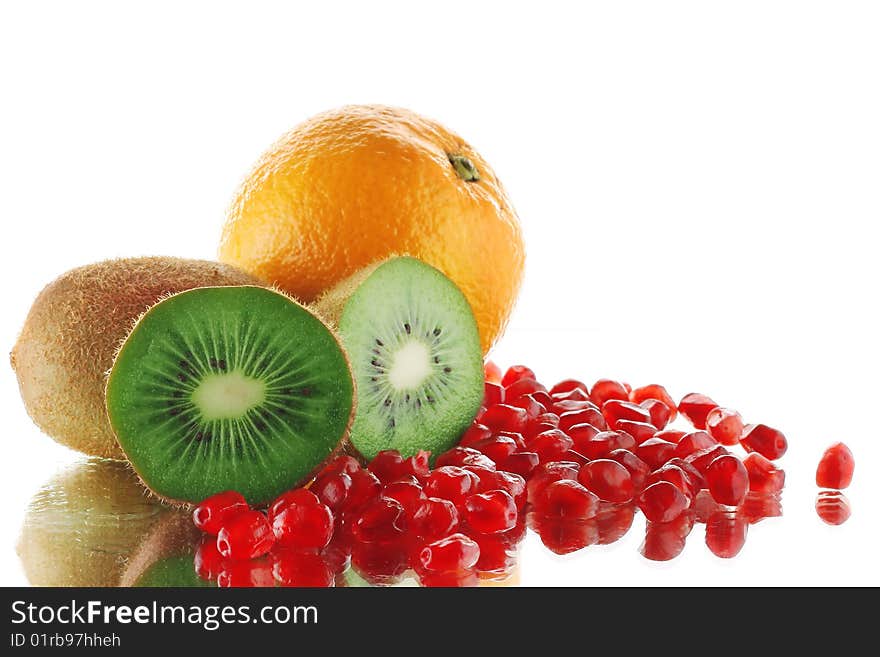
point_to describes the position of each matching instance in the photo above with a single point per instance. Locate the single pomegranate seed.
(560, 407)
(637, 468)
(208, 562)
(492, 372)
(605, 442)
(338, 552)
(605, 389)
(701, 460)
(503, 417)
(657, 393)
(381, 564)
(521, 463)
(547, 473)
(303, 526)
(455, 552)
(836, 467)
(515, 373)
(655, 452)
(490, 512)
(406, 490)
(613, 521)
(615, 410)
(567, 499)
(568, 385)
(666, 540)
(462, 456)
(433, 517)
(695, 407)
(512, 483)
(498, 447)
(540, 424)
(565, 535)
(660, 413)
(764, 477)
(531, 406)
(765, 440)
(388, 465)
(543, 398)
(696, 478)
(725, 425)
(728, 480)
(345, 463)
(550, 445)
(581, 434)
(246, 574)
(484, 478)
(381, 520)
(694, 441)
(726, 533)
(301, 496)
(662, 502)
(331, 490)
(525, 386)
(757, 506)
(575, 395)
(640, 431)
(671, 435)
(675, 476)
(496, 555)
(592, 416)
(451, 483)
(609, 480)
(365, 487)
(215, 511)
(245, 536)
(492, 394)
(832, 506)
(302, 569)
(575, 457)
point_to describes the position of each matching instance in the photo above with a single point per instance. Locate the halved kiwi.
(225, 388)
(415, 352)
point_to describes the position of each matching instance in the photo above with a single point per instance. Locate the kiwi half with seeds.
(229, 388)
(415, 352)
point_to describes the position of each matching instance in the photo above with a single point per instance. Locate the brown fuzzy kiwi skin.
(74, 329)
(343, 445)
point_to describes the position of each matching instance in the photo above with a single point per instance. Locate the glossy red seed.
(303, 526)
(637, 468)
(451, 483)
(659, 412)
(704, 506)
(213, 512)
(546, 473)
(530, 405)
(492, 372)
(433, 518)
(513, 484)
(567, 385)
(453, 553)
(462, 456)
(490, 512)
(365, 487)
(302, 496)
(608, 479)
(575, 457)
(565, 535)
(615, 410)
(695, 441)
(345, 463)
(696, 478)
(613, 521)
(726, 533)
(592, 416)
(503, 417)
(406, 490)
(245, 536)
(303, 569)
(695, 407)
(662, 502)
(725, 425)
(381, 564)
(605, 389)
(246, 574)
(560, 407)
(566, 499)
(727, 480)
(332, 489)
(666, 540)
(582, 433)
(836, 467)
(550, 445)
(521, 463)
(657, 393)
(381, 520)
(524, 386)
(484, 478)
(493, 394)
(388, 465)
(675, 476)
(832, 507)
(515, 373)
(575, 395)
(764, 477)
(671, 435)
(701, 460)
(540, 424)
(605, 442)
(640, 431)
(497, 447)
(655, 452)
(208, 562)
(765, 440)
(496, 554)
(757, 506)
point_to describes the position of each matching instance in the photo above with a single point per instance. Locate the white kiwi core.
(227, 396)
(411, 365)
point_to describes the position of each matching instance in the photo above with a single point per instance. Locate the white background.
(697, 183)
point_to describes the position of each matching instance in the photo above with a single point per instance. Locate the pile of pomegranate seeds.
(571, 462)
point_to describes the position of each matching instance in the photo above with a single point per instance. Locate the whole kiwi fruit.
(76, 325)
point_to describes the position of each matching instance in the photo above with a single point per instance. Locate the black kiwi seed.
(437, 359)
(407, 328)
(181, 377)
(437, 331)
(429, 399)
(213, 362)
(447, 369)
(305, 392)
(379, 342)
(387, 401)
(222, 364)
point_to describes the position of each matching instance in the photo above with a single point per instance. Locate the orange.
(357, 184)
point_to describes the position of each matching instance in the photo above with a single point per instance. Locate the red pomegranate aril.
(574, 395)
(640, 431)
(726, 533)
(569, 405)
(605, 442)
(591, 416)
(345, 463)
(659, 412)
(406, 490)
(662, 502)
(484, 478)
(540, 424)
(727, 480)
(503, 417)
(665, 540)
(764, 476)
(365, 487)
(655, 452)
(567, 499)
(671, 435)
(547, 473)
(696, 477)
(765, 440)
(433, 517)
(613, 521)
(388, 465)
(514, 373)
(215, 511)
(832, 507)
(493, 394)
(491, 372)
(301, 496)
(208, 562)
(521, 463)
(582, 433)
(550, 445)
(675, 476)
(419, 465)
(462, 456)
(704, 506)
(497, 447)
(525, 386)
(303, 526)
(608, 479)
(451, 483)
(381, 564)
(567, 385)
(757, 506)
(332, 490)
(696, 407)
(695, 441)
(513, 484)
(530, 405)
(606, 389)
(245, 536)
(301, 569)
(575, 457)
(565, 535)
(615, 410)
(725, 425)
(701, 460)
(491, 512)
(836, 467)
(252, 573)
(453, 553)
(657, 393)
(381, 520)
(496, 554)
(637, 468)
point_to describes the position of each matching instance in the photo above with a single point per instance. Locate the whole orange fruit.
(357, 184)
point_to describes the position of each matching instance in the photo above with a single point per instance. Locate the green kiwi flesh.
(415, 352)
(229, 388)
